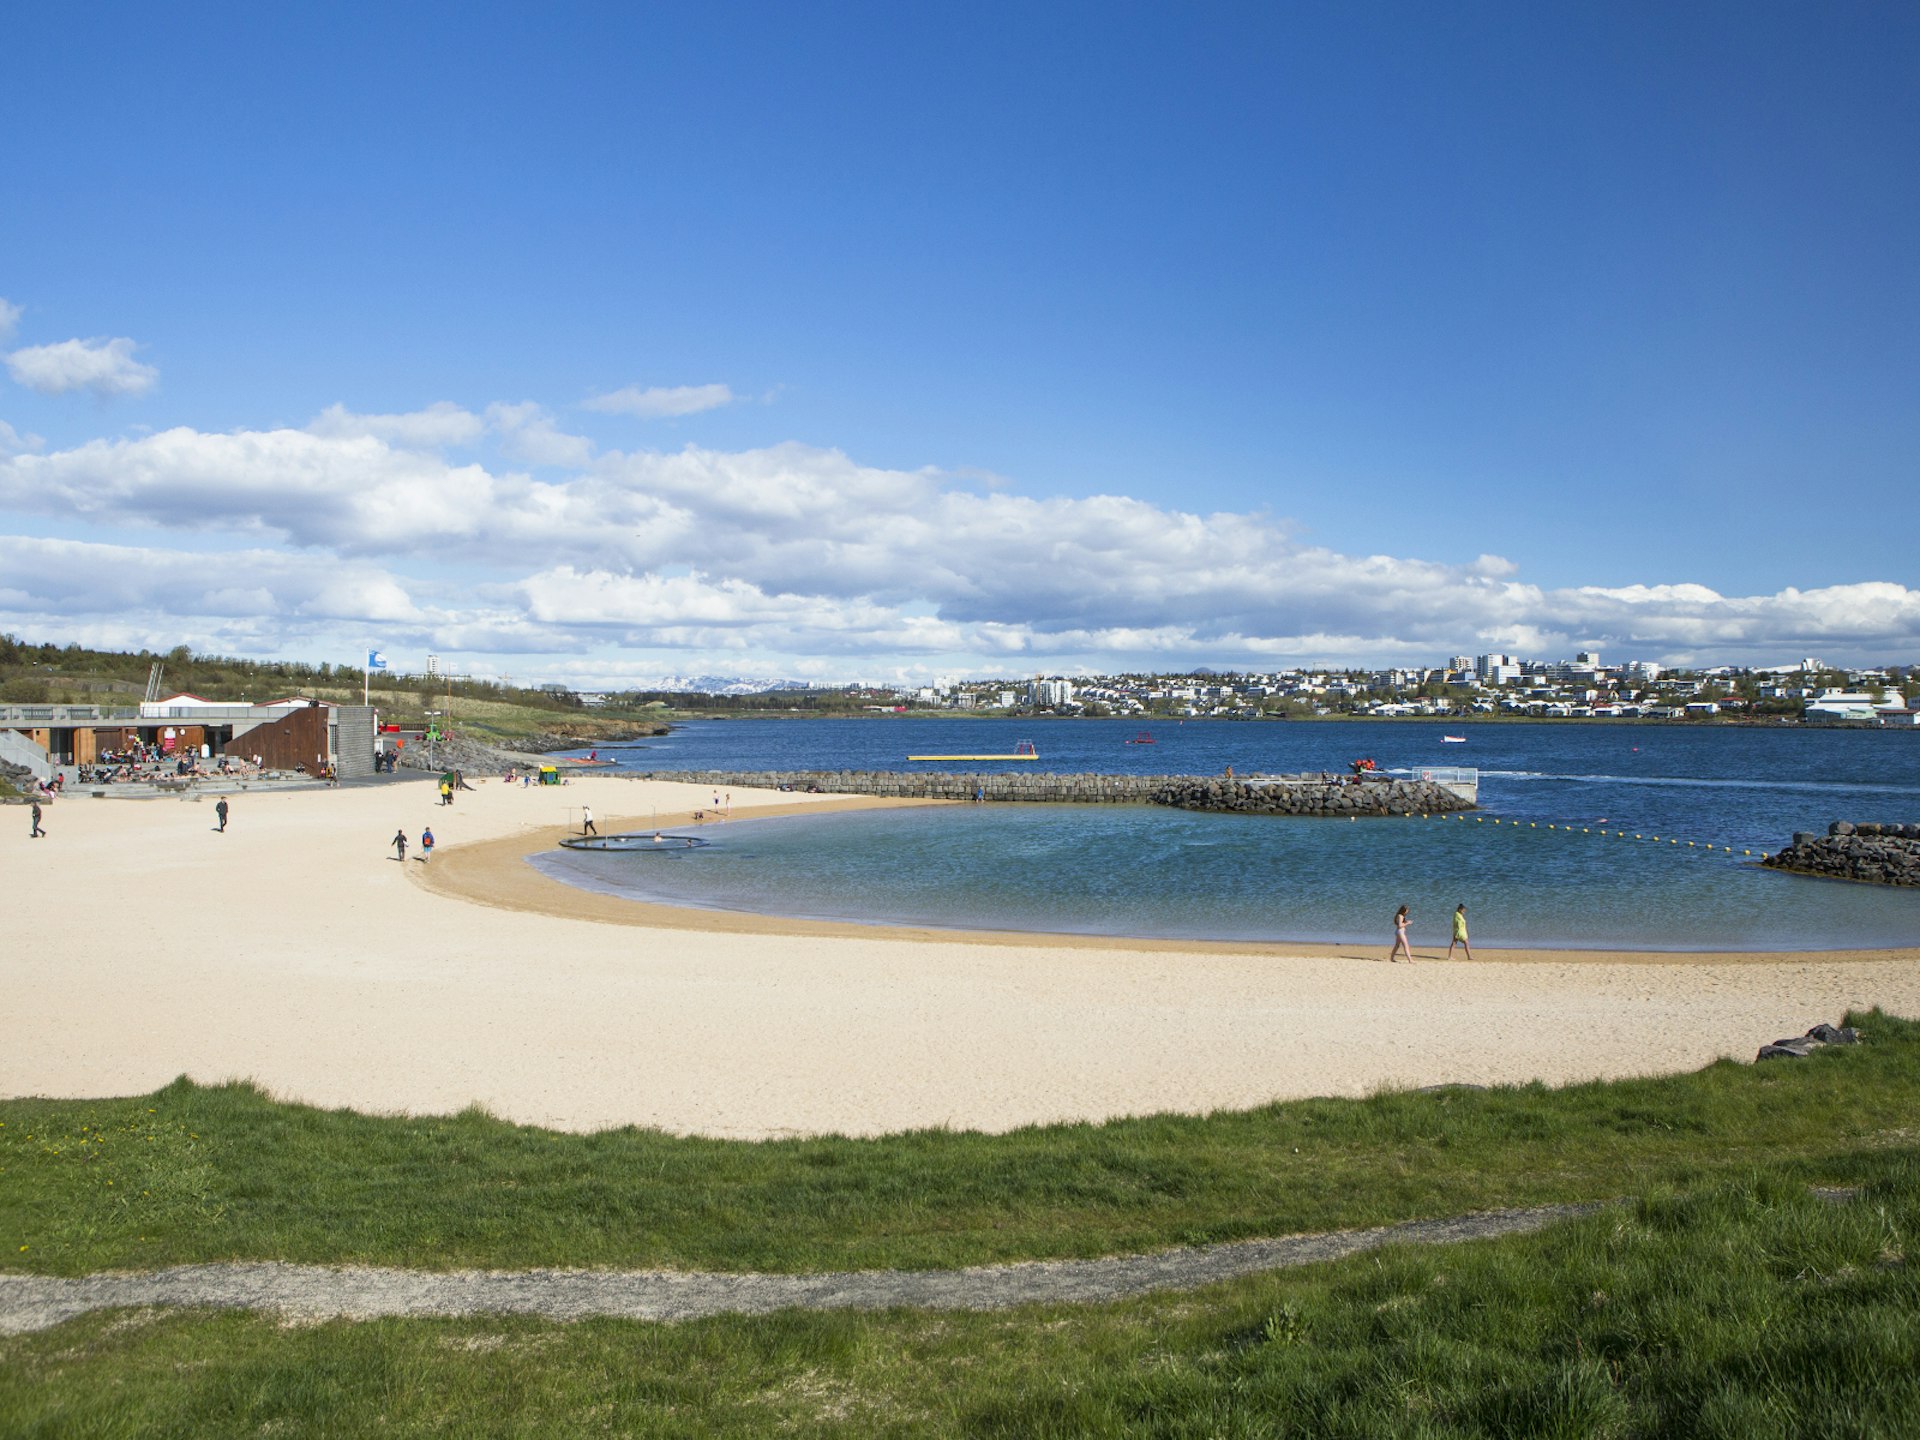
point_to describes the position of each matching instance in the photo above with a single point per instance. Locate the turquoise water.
(1129, 871)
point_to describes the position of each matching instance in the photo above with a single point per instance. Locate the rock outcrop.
(1798, 1047)
(1874, 854)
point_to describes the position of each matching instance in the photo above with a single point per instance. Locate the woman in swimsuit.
(1400, 936)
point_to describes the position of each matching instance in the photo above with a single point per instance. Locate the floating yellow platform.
(1022, 750)
(1028, 756)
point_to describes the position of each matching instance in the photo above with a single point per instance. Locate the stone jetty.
(1315, 794)
(1876, 854)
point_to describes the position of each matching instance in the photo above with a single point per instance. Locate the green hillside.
(46, 674)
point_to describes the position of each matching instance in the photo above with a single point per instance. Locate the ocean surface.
(1543, 876)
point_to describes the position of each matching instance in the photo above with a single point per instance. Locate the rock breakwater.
(1317, 794)
(1874, 854)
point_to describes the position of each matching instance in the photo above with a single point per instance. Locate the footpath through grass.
(1749, 1307)
(193, 1173)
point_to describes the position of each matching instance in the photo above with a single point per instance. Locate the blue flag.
(376, 661)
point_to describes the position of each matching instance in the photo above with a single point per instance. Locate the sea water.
(1545, 875)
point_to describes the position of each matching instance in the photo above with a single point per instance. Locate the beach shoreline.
(497, 873)
(295, 951)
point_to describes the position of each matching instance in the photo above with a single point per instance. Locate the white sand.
(295, 952)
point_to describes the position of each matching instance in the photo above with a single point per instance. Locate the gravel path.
(318, 1292)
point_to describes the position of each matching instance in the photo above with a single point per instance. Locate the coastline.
(496, 873)
(293, 950)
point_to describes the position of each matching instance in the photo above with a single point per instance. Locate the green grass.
(1744, 1307)
(193, 1173)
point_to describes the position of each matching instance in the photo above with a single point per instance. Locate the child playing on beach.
(1459, 932)
(426, 845)
(1400, 937)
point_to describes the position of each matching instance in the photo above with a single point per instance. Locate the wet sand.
(297, 952)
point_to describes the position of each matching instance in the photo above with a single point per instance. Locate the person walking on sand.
(221, 811)
(587, 827)
(1400, 937)
(36, 833)
(400, 844)
(1459, 932)
(426, 845)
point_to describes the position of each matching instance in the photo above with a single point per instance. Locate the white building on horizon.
(1049, 692)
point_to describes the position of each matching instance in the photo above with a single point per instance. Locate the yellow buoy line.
(1595, 830)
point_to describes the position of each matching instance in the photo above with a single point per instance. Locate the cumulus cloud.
(440, 425)
(527, 433)
(9, 318)
(661, 402)
(794, 551)
(106, 367)
(73, 577)
(15, 442)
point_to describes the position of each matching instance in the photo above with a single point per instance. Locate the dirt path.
(315, 1292)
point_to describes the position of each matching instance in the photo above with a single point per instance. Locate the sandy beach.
(295, 951)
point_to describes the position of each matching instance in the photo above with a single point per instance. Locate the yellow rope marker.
(1533, 825)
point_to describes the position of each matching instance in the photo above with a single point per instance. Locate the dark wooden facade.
(298, 738)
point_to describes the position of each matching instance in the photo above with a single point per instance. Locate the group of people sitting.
(148, 765)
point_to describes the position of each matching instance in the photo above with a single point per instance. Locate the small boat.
(1145, 737)
(1022, 750)
(1453, 739)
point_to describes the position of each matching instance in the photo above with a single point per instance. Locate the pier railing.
(1461, 780)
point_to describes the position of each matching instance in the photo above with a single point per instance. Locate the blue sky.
(605, 342)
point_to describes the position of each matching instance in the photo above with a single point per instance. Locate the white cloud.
(106, 367)
(9, 317)
(527, 433)
(795, 552)
(661, 402)
(15, 442)
(81, 578)
(440, 424)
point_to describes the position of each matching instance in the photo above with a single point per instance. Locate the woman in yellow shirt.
(1459, 932)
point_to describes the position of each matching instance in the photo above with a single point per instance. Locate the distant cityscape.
(1584, 687)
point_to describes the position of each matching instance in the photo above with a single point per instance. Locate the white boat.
(1453, 739)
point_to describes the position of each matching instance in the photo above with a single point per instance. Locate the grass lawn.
(195, 1173)
(1747, 1307)
(1722, 1298)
